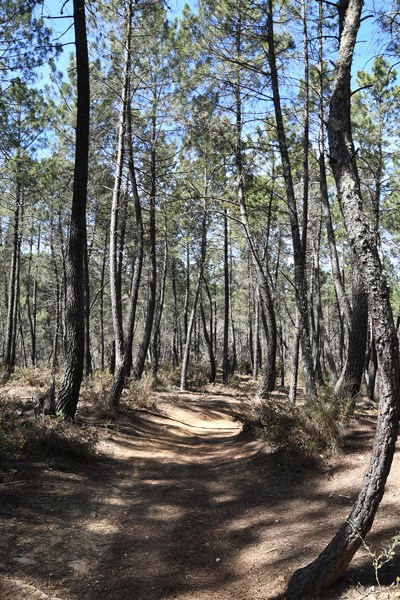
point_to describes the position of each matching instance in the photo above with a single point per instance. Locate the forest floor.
(180, 505)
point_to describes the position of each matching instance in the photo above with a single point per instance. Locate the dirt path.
(180, 506)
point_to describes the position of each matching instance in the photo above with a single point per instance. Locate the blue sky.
(369, 39)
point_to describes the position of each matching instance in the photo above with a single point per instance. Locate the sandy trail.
(178, 506)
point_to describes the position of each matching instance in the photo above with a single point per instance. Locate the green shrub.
(308, 430)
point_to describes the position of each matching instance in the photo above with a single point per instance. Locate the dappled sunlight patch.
(102, 526)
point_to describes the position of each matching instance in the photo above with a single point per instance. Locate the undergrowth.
(139, 394)
(53, 437)
(11, 438)
(313, 429)
(43, 435)
(33, 376)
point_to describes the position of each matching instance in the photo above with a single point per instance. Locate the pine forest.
(199, 299)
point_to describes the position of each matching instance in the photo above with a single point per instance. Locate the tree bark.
(68, 395)
(225, 349)
(151, 304)
(186, 351)
(349, 382)
(115, 247)
(297, 239)
(333, 560)
(13, 286)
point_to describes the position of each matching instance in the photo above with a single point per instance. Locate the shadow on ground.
(177, 505)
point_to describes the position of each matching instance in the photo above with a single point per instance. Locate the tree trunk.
(333, 560)
(349, 382)
(208, 339)
(186, 351)
(175, 338)
(159, 311)
(225, 349)
(151, 305)
(138, 264)
(298, 242)
(12, 301)
(88, 366)
(115, 224)
(68, 396)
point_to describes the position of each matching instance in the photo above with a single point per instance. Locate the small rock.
(217, 560)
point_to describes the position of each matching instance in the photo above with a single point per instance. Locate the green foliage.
(382, 557)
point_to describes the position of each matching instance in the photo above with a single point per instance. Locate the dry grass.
(311, 430)
(140, 394)
(53, 437)
(33, 376)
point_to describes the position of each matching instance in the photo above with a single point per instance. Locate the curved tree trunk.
(68, 396)
(334, 559)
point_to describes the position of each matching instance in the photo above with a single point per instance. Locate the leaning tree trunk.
(68, 396)
(333, 560)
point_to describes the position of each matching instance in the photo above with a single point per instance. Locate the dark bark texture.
(68, 396)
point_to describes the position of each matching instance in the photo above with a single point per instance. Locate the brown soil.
(180, 505)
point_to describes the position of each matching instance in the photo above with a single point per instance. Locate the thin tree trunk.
(101, 316)
(32, 309)
(186, 352)
(88, 366)
(298, 242)
(269, 375)
(208, 340)
(225, 348)
(175, 338)
(123, 350)
(256, 343)
(115, 246)
(12, 300)
(151, 305)
(138, 264)
(159, 311)
(295, 363)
